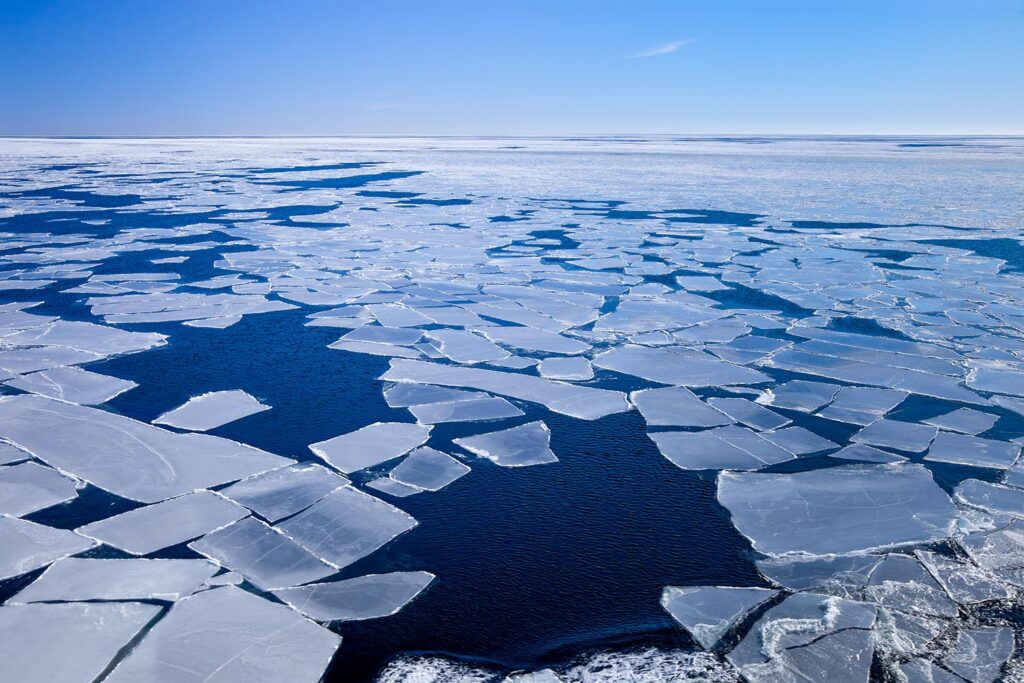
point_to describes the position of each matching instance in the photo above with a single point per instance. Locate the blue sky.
(157, 67)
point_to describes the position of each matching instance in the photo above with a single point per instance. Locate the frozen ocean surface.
(537, 410)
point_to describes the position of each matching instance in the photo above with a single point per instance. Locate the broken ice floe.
(265, 557)
(26, 546)
(281, 493)
(228, 634)
(28, 487)
(837, 510)
(346, 526)
(371, 445)
(709, 612)
(73, 385)
(153, 527)
(577, 401)
(124, 456)
(364, 597)
(428, 469)
(67, 642)
(208, 411)
(77, 579)
(516, 447)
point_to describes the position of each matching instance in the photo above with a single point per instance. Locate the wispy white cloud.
(381, 106)
(659, 50)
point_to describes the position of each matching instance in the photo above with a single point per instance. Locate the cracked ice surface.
(803, 334)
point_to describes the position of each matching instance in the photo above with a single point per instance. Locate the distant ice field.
(528, 409)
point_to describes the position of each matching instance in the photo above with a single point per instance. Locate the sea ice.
(73, 385)
(978, 654)
(838, 510)
(281, 493)
(471, 410)
(77, 579)
(428, 469)
(371, 445)
(211, 410)
(226, 634)
(902, 436)
(965, 421)
(75, 642)
(964, 449)
(676, 407)
(749, 413)
(678, 366)
(29, 487)
(346, 526)
(27, 546)
(364, 597)
(265, 557)
(153, 527)
(586, 403)
(520, 446)
(708, 612)
(129, 458)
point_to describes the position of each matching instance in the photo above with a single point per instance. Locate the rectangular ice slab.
(73, 385)
(74, 642)
(29, 487)
(78, 579)
(847, 509)
(364, 597)
(129, 458)
(486, 408)
(428, 469)
(516, 447)
(729, 447)
(226, 634)
(586, 403)
(346, 526)
(677, 407)
(207, 411)
(280, 493)
(371, 445)
(27, 546)
(264, 556)
(678, 366)
(150, 528)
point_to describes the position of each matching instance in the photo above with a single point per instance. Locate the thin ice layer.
(364, 597)
(78, 579)
(708, 612)
(677, 366)
(346, 526)
(676, 407)
(428, 469)
(280, 493)
(75, 642)
(126, 457)
(844, 509)
(153, 527)
(28, 487)
(586, 403)
(520, 446)
(486, 408)
(211, 410)
(27, 546)
(265, 557)
(73, 385)
(226, 634)
(371, 445)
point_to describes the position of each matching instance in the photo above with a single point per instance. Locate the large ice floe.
(843, 380)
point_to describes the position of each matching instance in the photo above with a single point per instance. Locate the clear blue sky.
(183, 67)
